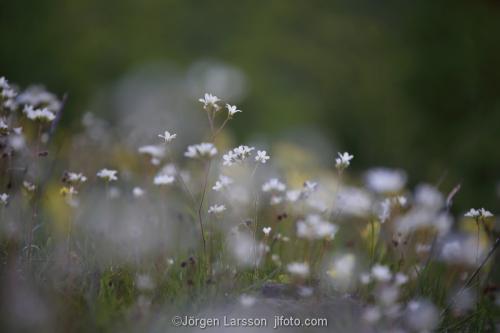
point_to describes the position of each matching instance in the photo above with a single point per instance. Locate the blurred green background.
(410, 84)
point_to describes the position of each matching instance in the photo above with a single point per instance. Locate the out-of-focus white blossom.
(108, 175)
(354, 201)
(266, 230)
(383, 180)
(342, 271)
(314, 227)
(273, 185)
(163, 179)
(222, 183)
(202, 150)
(422, 316)
(4, 199)
(156, 152)
(299, 269)
(372, 314)
(428, 197)
(138, 192)
(381, 273)
(74, 178)
(216, 209)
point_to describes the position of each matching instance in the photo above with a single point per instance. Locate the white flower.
(298, 269)
(108, 175)
(73, 177)
(478, 213)
(266, 230)
(3, 125)
(381, 273)
(167, 136)
(156, 152)
(4, 199)
(472, 213)
(201, 150)
(163, 179)
(210, 100)
(237, 155)
(343, 161)
(30, 187)
(262, 156)
(39, 114)
(273, 185)
(401, 278)
(4, 84)
(216, 209)
(223, 182)
(232, 110)
(138, 192)
(382, 180)
(422, 316)
(314, 227)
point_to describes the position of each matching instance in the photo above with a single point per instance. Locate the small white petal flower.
(266, 230)
(4, 199)
(232, 110)
(73, 177)
(168, 137)
(262, 156)
(343, 161)
(210, 100)
(108, 175)
(216, 209)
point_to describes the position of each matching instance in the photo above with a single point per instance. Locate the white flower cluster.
(478, 213)
(237, 155)
(314, 227)
(7, 95)
(43, 114)
(202, 150)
